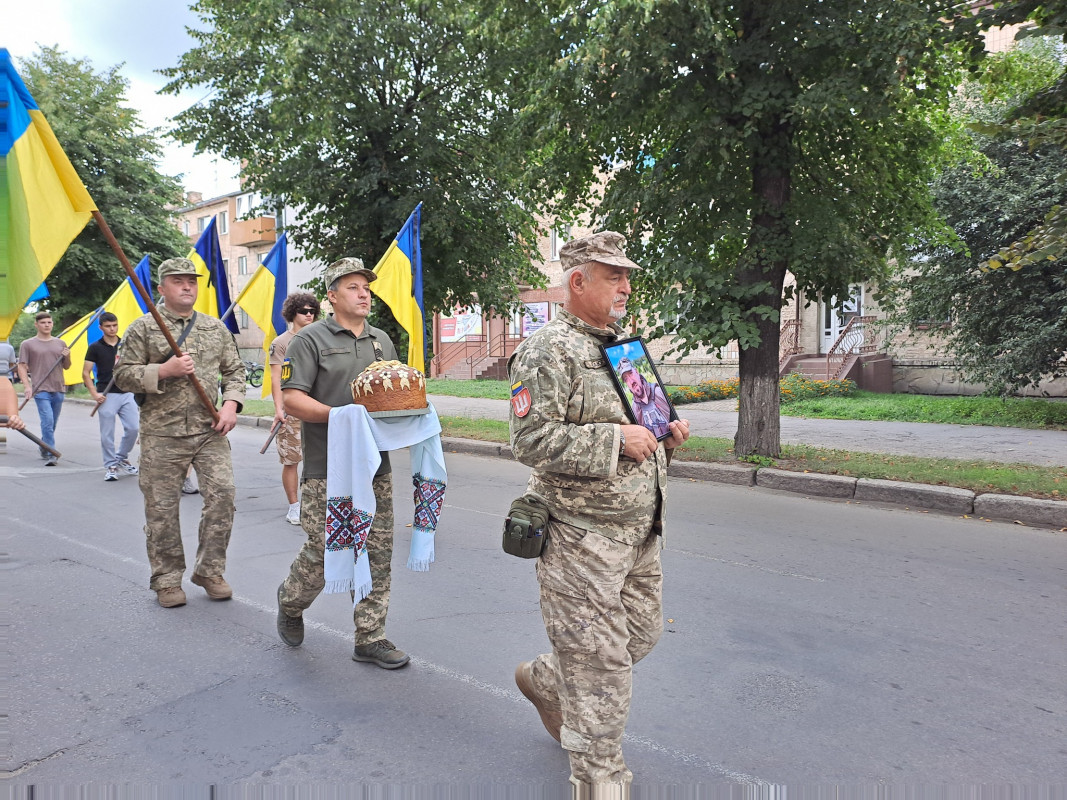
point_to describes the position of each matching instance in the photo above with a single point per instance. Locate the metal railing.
(460, 353)
(788, 341)
(451, 353)
(851, 341)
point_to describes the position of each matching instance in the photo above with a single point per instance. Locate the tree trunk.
(758, 423)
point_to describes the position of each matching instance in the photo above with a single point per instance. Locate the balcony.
(250, 232)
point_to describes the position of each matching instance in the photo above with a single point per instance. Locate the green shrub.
(796, 386)
(703, 391)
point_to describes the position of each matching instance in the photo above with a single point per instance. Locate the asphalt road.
(808, 642)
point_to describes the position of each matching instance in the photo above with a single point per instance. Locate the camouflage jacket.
(570, 434)
(171, 406)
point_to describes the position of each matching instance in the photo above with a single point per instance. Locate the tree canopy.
(356, 110)
(734, 141)
(116, 159)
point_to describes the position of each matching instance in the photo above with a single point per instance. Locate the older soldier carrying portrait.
(177, 431)
(603, 481)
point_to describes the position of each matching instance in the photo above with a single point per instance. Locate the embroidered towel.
(353, 446)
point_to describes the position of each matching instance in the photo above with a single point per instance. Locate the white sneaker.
(110, 474)
(127, 467)
(293, 517)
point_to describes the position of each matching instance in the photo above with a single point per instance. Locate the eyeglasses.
(307, 311)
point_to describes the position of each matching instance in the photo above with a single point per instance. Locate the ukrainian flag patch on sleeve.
(521, 402)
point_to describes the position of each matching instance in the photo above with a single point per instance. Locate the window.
(185, 227)
(224, 223)
(242, 265)
(242, 319)
(226, 267)
(240, 212)
(261, 256)
(202, 223)
(560, 235)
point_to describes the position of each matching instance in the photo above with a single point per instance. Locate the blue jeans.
(49, 404)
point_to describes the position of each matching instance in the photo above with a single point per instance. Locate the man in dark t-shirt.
(111, 400)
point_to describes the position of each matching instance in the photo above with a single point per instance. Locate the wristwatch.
(622, 442)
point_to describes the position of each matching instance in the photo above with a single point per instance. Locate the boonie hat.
(605, 247)
(176, 266)
(346, 266)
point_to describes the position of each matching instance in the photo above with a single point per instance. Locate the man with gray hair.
(603, 481)
(177, 431)
(320, 363)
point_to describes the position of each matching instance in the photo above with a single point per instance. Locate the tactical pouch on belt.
(525, 528)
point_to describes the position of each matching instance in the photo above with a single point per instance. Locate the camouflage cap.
(605, 247)
(625, 365)
(176, 266)
(346, 266)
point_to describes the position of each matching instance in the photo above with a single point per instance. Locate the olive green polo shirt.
(322, 359)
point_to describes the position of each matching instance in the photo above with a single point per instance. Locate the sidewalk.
(719, 419)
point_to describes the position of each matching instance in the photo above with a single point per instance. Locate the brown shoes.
(171, 597)
(551, 718)
(216, 588)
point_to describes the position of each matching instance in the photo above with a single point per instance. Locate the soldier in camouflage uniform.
(177, 431)
(321, 361)
(603, 481)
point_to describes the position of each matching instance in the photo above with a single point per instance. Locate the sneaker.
(383, 653)
(189, 486)
(51, 461)
(170, 597)
(216, 588)
(290, 629)
(293, 516)
(551, 717)
(128, 468)
(111, 474)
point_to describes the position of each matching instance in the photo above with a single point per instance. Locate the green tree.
(356, 110)
(739, 140)
(1006, 327)
(1039, 117)
(116, 159)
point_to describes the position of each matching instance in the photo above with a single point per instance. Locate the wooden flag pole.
(33, 438)
(152, 310)
(59, 360)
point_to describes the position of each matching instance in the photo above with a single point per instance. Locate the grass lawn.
(1013, 412)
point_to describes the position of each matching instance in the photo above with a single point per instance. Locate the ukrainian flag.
(214, 296)
(43, 203)
(399, 284)
(125, 303)
(263, 297)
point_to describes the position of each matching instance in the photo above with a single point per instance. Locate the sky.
(143, 36)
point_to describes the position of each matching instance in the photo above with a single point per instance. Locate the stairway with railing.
(854, 340)
(475, 357)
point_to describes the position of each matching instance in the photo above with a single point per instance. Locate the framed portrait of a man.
(640, 386)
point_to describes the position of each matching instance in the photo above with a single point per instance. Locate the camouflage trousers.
(602, 606)
(164, 462)
(306, 579)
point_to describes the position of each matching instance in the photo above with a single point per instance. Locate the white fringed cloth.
(354, 443)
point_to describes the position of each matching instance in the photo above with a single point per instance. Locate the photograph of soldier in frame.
(640, 386)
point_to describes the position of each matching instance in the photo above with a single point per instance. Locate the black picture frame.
(635, 351)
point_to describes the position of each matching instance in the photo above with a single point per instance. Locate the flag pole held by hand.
(59, 360)
(277, 426)
(210, 406)
(37, 441)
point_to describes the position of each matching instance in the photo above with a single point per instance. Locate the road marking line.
(459, 677)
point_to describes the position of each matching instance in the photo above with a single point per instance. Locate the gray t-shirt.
(322, 359)
(7, 358)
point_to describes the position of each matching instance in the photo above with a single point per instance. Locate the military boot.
(551, 714)
(383, 653)
(216, 587)
(290, 629)
(171, 597)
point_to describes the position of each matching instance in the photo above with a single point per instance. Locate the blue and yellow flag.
(263, 297)
(125, 303)
(399, 284)
(214, 296)
(43, 202)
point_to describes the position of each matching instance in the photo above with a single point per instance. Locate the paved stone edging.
(1013, 508)
(1028, 510)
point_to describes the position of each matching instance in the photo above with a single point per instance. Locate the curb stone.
(1011, 508)
(1028, 510)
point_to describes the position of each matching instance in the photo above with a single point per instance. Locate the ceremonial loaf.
(389, 386)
